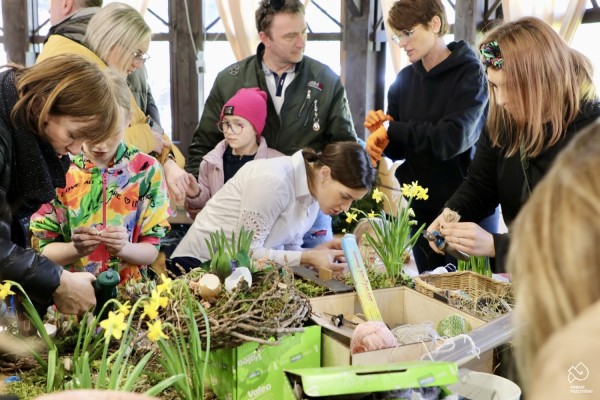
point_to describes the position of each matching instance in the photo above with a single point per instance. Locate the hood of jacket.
(459, 51)
(75, 26)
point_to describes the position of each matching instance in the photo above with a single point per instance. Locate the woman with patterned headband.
(541, 96)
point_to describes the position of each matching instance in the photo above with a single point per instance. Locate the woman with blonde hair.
(554, 260)
(117, 36)
(46, 114)
(541, 96)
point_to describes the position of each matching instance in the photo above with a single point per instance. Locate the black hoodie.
(438, 116)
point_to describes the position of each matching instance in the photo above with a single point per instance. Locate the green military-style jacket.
(315, 87)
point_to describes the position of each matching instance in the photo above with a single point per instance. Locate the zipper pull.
(304, 102)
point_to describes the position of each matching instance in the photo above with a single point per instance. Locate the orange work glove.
(374, 119)
(376, 143)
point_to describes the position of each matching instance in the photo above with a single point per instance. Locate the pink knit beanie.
(249, 103)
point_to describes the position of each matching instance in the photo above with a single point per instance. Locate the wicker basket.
(471, 292)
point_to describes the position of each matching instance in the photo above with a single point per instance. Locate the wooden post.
(359, 66)
(469, 13)
(187, 85)
(16, 34)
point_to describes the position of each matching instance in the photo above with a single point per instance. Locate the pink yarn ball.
(372, 335)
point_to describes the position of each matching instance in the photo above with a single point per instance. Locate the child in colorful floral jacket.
(112, 212)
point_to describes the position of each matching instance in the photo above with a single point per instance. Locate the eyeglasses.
(403, 36)
(225, 126)
(143, 57)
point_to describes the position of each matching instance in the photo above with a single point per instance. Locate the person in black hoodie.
(542, 95)
(436, 111)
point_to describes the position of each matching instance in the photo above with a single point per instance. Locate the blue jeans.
(320, 232)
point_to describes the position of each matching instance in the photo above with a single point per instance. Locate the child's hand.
(85, 240)
(115, 238)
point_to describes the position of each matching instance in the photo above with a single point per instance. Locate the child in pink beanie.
(242, 121)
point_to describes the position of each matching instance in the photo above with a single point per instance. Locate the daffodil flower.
(5, 290)
(166, 284)
(124, 309)
(114, 325)
(150, 310)
(155, 332)
(161, 301)
(350, 216)
(371, 214)
(377, 195)
(344, 230)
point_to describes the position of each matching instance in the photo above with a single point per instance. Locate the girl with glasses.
(242, 122)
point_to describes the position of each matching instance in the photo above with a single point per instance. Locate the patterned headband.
(491, 55)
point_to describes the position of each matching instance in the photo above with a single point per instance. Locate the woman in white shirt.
(278, 199)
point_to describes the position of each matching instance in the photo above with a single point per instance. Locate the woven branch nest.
(271, 308)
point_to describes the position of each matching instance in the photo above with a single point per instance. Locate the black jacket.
(496, 179)
(438, 117)
(29, 173)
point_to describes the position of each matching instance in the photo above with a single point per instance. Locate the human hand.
(335, 244)
(193, 189)
(376, 143)
(85, 239)
(75, 294)
(178, 180)
(436, 225)
(115, 238)
(469, 238)
(333, 260)
(374, 119)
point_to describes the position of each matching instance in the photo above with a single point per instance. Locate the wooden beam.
(354, 7)
(16, 33)
(468, 14)
(359, 62)
(591, 16)
(187, 84)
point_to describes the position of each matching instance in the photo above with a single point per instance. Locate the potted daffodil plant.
(389, 236)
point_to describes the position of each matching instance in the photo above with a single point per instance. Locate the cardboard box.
(253, 371)
(366, 379)
(398, 306)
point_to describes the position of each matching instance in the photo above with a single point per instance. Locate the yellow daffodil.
(150, 310)
(114, 325)
(155, 332)
(350, 216)
(5, 290)
(344, 230)
(371, 214)
(166, 284)
(124, 309)
(377, 195)
(161, 301)
(422, 193)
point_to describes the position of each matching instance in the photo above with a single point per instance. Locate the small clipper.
(441, 244)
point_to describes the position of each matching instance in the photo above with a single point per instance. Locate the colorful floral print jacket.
(131, 192)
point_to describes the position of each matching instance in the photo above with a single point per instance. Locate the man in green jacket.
(307, 105)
